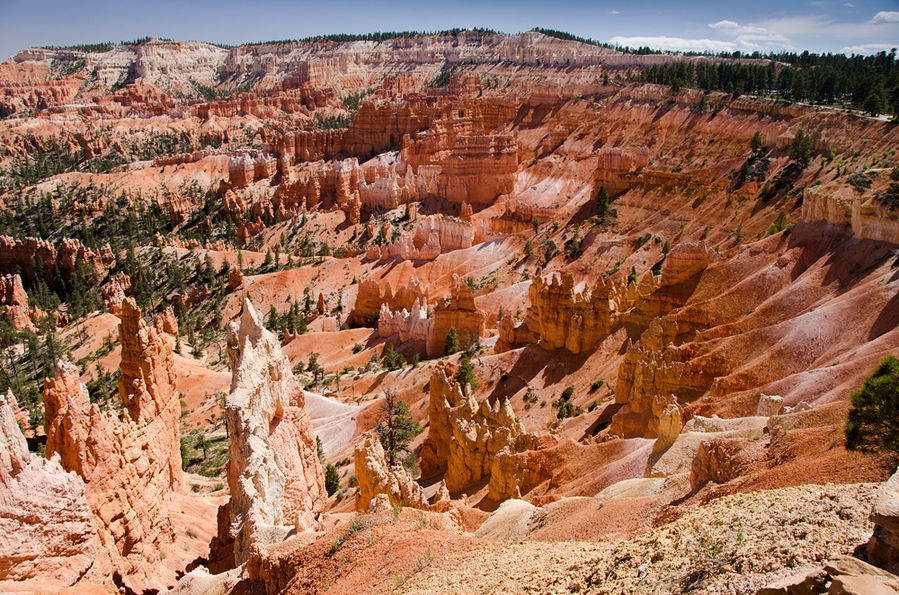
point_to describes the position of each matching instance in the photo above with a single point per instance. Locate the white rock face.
(274, 474)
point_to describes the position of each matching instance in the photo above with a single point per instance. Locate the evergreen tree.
(873, 103)
(465, 374)
(451, 345)
(873, 422)
(332, 479)
(602, 203)
(397, 428)
(756, 144)
(801, 148)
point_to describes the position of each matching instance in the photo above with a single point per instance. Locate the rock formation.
(235, 279)
(883, 548)
(841, 205)
(565, 317)
(165, 321)
(460, 313)
(376, 476)
(147, 386)
(18, 254)
(371, 296)
(130, 464)
(413, 325)
(464, 437)
(274, 475)
(14, 303)
(20, 416)
(45, 521)
(615, 169)
(113, 292)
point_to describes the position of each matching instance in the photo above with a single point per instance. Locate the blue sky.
(861, 26)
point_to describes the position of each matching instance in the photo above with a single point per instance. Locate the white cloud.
(614, 12)
(677, 44)
(732, 28)
(751, 37)
(886, 16)
(867, 48)
(849, 5)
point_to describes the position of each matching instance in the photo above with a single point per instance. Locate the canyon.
(460, 312)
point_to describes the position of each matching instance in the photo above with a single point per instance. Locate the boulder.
(883, 548)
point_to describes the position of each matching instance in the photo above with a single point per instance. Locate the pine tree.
(873, 421)
(451, 345)
(332, 479)
(801, 148)
(397, 428)
(757, 144)
(465, 374)
(602, 203)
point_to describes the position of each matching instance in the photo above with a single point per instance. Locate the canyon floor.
(453, 313)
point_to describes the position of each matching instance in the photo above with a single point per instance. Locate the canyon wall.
(17, 255)
(842, 205)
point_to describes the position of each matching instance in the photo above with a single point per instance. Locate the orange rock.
(376, 476)
(113, 292)
(18, 254)
(235, 279)
(465, 437)
(11, 291)
(371, 296)
(14, 303)
(130, 465)
(165, 321)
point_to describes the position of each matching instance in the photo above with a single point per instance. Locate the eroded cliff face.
(130, 464)
(464, 437)
(46, 530)
(376, 476)
(869, 218)
(147, 385)
(563, 316)
(274, 474)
